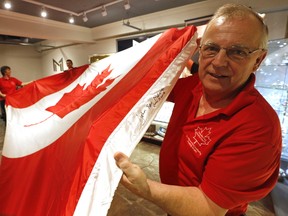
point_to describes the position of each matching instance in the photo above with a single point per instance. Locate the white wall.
(79, 54)
(28, 64)
(25, 61)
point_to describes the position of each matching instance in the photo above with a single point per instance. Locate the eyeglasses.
(235, 53)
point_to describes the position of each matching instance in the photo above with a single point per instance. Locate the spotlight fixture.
(104, 11)
(43, 12)
(85, 18)
(127, 5)
(7, 4)
(71, 19)
(262, 15)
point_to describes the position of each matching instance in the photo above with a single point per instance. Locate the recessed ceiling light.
(7, 4)
(71, 19)
(43, 12)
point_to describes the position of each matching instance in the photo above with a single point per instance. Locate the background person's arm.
(2, 95)
(25, 83)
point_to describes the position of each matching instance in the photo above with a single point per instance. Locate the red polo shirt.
(233, 154)
(8, 86)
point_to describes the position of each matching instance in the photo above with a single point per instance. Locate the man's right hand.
(134, 179)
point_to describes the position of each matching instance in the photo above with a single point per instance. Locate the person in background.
(223, 143)
(192, 66)
(69, 64)
(8, 85)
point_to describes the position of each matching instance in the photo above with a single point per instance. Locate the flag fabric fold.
(63, 130)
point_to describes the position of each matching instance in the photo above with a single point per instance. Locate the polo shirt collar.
(244, 98)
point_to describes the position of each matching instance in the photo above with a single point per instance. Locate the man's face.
(220, 74)
(69, 64)
(8, 72)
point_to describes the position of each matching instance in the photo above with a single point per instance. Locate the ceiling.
(60, 10)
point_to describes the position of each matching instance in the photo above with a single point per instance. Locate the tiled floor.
(128, 204)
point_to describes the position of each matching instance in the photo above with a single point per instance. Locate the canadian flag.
(63, 130)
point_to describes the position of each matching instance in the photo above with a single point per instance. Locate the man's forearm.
(182, 201)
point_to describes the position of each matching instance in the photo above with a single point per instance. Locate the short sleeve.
(244, 167)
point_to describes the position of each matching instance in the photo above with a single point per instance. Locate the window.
(272, 83)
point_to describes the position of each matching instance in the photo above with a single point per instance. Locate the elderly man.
(223, 143)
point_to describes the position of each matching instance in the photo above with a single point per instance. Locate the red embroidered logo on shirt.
(201, 138)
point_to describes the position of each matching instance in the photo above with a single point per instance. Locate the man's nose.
(221, 59)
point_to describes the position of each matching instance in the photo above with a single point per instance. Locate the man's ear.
(259, 61)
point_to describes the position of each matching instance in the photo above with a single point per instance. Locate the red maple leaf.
(78, 96)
